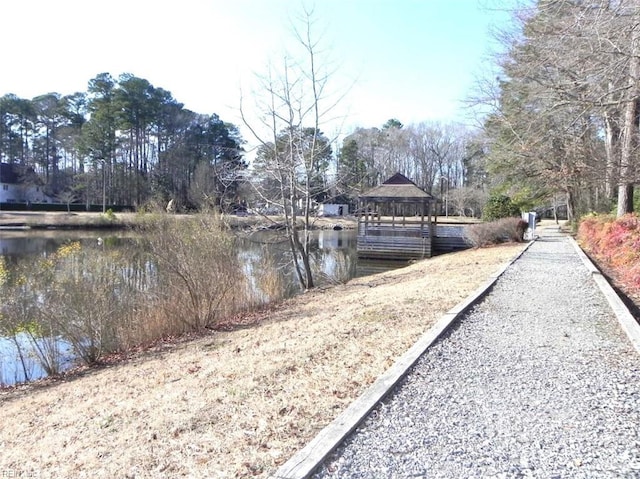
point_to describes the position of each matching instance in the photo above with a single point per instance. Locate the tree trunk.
(571, 205)
(611, 140)
(625, 199)
(629, 130)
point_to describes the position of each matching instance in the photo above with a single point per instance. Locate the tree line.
(564, 107)
(135, 144)
(125, 139)
(559, 121)
(560, 125)
(444, 159)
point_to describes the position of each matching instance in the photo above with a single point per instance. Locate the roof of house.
(9, 174)
(399, 189)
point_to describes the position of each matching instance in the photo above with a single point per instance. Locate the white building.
(18, 187)
(332, 209)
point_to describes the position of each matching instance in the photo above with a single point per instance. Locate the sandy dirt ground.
(236, 403)
(48, 219)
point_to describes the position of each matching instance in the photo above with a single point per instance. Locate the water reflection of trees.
(98, 297)
(332, 254)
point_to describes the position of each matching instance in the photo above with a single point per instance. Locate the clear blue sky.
(408, 59)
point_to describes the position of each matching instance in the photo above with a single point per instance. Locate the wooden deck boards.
(405, 243)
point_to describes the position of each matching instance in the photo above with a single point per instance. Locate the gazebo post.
(404, 215)
(365, 205)
(393, 214)
(432, 224)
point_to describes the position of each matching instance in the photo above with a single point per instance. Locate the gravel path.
(538, 380)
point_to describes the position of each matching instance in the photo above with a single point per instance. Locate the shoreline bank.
(237, 403)
(25, 221)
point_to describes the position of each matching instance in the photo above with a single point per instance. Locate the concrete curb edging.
(304, 463)
(628, 323)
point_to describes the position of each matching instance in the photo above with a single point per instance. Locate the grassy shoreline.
(62, 220)
(235, 403)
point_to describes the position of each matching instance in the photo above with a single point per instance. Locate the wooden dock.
(398, 220)
(385, 239)
(409, 242)
(449, 237)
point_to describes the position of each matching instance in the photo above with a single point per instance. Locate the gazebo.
(396, 221)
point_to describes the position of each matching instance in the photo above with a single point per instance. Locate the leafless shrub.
(199, 278)
(87, 313)
(494, 232)
(266, 283)
(467, 201)
(105, 301)
(34, 336)
(86, 298)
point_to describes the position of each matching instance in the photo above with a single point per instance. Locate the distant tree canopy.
(438, 157)
(124, 135)
(392, 123)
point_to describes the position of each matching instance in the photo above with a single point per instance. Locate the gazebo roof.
(398, 189)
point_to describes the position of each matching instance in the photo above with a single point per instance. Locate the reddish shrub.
(614, 242)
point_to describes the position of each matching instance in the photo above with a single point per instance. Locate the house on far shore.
(332, 209)
(20, 185)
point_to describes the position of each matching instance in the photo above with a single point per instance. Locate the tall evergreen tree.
(123, 142)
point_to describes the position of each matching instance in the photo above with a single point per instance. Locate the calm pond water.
(334, 260)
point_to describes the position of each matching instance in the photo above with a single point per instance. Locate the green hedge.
(76, 208)
(499, 206)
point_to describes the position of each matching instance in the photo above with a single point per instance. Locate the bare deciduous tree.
(431, 154)
(466, 201)
(564, 104)
(293, 102)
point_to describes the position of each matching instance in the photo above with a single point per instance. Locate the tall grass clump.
(495, 232)
(615, 243)
(266, 282)
(182, 275)
(199, 277)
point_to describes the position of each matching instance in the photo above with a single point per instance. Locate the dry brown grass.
(58, 219)
(55, 219)
(238, 403)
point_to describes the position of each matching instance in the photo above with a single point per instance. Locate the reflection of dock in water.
(336, 239)
(346, 240)
(366, 267)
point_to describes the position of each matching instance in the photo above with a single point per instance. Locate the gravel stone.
(536, 381)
